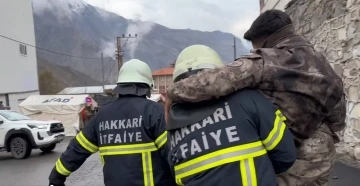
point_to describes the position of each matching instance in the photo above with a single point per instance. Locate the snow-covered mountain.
(77, 28)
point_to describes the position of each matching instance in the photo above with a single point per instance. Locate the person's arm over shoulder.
(274, 134)
(209, 83)
(80, 148)
(159, 130)
(336, 118)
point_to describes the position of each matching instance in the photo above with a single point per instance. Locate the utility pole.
(234, 48)
(102, 69)
(119, 52)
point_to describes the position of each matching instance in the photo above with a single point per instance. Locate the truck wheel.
(49, 148)
(20, 148)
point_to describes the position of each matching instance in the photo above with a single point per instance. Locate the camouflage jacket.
(287, 70)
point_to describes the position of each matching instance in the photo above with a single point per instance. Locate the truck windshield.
(13, 116)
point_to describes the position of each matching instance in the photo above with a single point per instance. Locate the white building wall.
(275, 4)
(16, 98)
(18, 72)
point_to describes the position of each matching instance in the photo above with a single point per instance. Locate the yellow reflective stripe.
(128, 149)
(147, 169)
(243, 172)
(276, 133)
(248, 172)
(61, 169)
(102, 159)
(179, 182)
(278, 139)
(143, 156)
(220, 157)
(161, 140)
(252, 172)
(85, 143)
(151, 175)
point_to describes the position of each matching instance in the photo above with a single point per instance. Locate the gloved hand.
(56, 179)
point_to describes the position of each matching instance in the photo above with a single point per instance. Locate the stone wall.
(333, 27)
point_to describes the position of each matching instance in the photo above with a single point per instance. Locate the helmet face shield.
(186, 75)
(194, 58)
(206, 65)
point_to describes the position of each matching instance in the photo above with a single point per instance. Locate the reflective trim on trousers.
(85, 143)
(61, 169)
(277, 133)
(127, 149)
(161, 140)
(220, 157)
(147, 169)
(248, 172)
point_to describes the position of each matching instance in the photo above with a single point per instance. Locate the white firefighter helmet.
(135, 71)
(196, 57)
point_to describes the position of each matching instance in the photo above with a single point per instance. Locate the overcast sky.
(233, 16)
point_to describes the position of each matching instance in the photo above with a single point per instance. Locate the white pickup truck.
(20, 134)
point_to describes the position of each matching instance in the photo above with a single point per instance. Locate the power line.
(68, 55)
(96, 71)
(59, 53)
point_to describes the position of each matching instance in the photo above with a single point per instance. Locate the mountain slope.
(77, 28)
(66, 76)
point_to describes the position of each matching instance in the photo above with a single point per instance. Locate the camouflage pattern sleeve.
(336, 119)
(209, 83)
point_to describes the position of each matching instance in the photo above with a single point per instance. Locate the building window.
(23, 50)
(162, 78)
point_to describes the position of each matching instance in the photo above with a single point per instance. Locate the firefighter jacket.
(239, 140)
(130, 136)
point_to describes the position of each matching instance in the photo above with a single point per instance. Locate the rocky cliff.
(333, 27)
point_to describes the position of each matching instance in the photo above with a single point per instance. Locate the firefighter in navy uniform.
(237, 140)
(129, 133)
